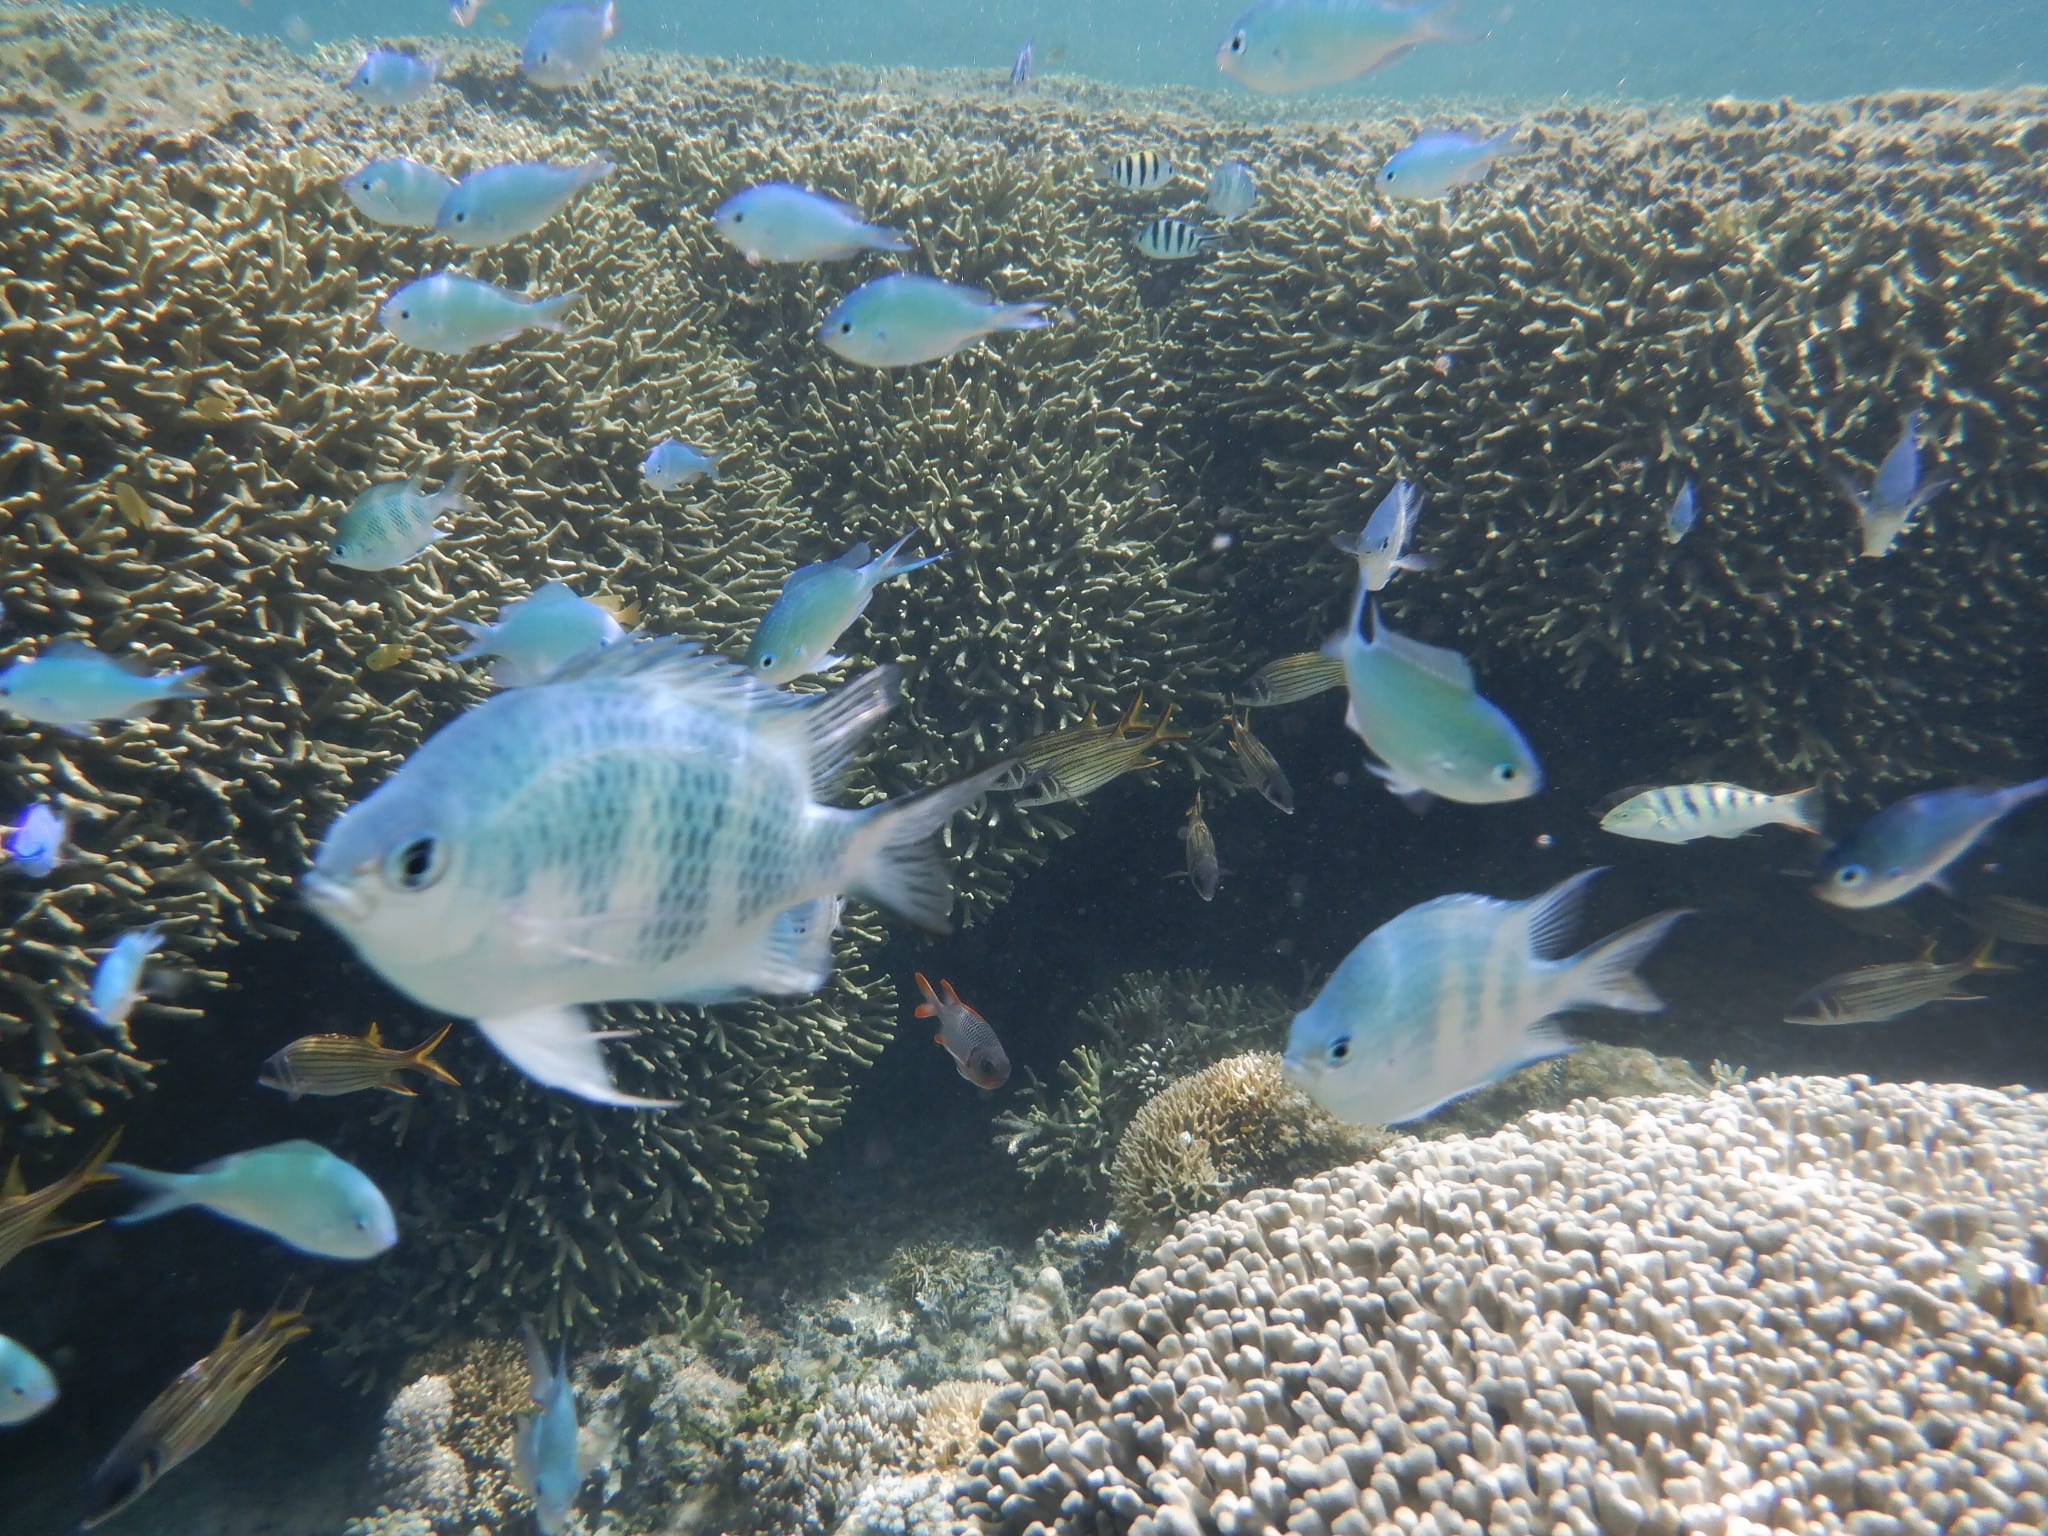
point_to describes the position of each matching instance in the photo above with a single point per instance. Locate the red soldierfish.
(965, 1034)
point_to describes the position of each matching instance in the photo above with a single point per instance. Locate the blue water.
(1539, 49)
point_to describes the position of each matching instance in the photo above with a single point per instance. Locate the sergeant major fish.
(74, 687)
(389, 78)
(776, 222)
(295, 1191)
(965, 1034)
(1437, 164)
(1909, 844)
(672, 464)
(1380, 546)
(537, 633)
(1231, 193)
(35, 843)
(904, 318)
(1142, 170)
(394, 521)
(1020, 72)
(450, 313)
(26, 1385)
(1895, 496)
(1680, 813)
(1452, 995)
(327, 1066)
(546, 1459)
(1304, 45)
(501, 203)
(1172, 239)
(565, 45)
(555, 847)
(1418, 708)
(395, 191)
(817, 605)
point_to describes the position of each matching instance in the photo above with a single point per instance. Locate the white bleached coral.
(1795, 1304)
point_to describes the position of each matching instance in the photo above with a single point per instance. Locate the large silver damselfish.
(643, 825)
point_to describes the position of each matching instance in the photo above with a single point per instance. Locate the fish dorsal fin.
(1439, 662)
(1551, 915)
(953, 998)
(856, 557)
(13, 1187)
(73, 648)
(680, 663)
(374, 1035)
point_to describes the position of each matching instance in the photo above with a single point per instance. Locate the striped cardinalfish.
(965, 1034)
(1874, 994)
(1071, 763)
(1289, 680)
(191, 1410)
(1257, 768)
(327, 1066)
(1681, 813)
(26, 1214)
(1171, 239)
(1204, 872)
(2011, 918)
(1141, 170)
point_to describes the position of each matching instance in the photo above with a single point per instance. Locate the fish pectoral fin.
(557, 1049)
(1412, 795)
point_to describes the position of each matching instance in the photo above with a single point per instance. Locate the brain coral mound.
(1797, 1304)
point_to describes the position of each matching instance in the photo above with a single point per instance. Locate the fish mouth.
(1297, 1072)
(340, 904)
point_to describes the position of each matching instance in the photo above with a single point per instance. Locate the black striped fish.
(1171, 239)
(1140, 171)
(1679, 813)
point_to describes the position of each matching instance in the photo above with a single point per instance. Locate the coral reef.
(1802, 1303)
(1156, 1027)
(1228, 1128)
(1594, 1071)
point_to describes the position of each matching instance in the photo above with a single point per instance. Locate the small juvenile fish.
(392, 522)
(1257, 767)
(1909, 844)
(1437, 164)
(1876, 994)
(389, 78)
(1304, 45)
(1683, 513)
(565, 45)
(1171, 239)
(2011, 918)
(1418, 708)
(26, 1385)
(1452, 995)
(327, 1066)
(296, 1191)
(1895, 496)
(545, 1455)
(1204, 873)
(1141, 170)
(190, 1411)
(120, 979)
(777, 222)
(450, 313)
(904, 318)
(671, 464)
(74, 687)
(501, 203)
(463, 12)
(1379, 547)
(26, 1215)
(965, 1034)
(398, 192)
(35, 843)
(1020, 72)
(1289, 680)
(1074, 762)
(1681, 813)
(384, 657)
(1232, 193)
(536, 633)
(817, 605)
(134, 510)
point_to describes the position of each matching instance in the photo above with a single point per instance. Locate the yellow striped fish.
(1078, 760)
(1140, 171)
(1257, 768)
(1204, 873)
(1680, 813)
(1289, 680)
(190, 1411)
(2011, 918)
(1877, 993)
(25, 1214)
(327, 1065)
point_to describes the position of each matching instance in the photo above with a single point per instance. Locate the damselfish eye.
(1340, 1048)
(767, 663)
(1849, 874)
(462, 218)
(415, 865)
(1505, 773)
(739, 218)
(1237, 43)
(846, 327)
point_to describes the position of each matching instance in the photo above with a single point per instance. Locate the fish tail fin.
(557, 1048)
(1980, 958)
(881, 238)
(185, 684)
(1605, 976)
(596, 168)
(888, 568)
(451, 490)
(893, 861)
(1029, 316)
(1335, 646)
(162, 1192)
(1806, 810)
(421, 1057)
(551, 314)
(479, 640)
